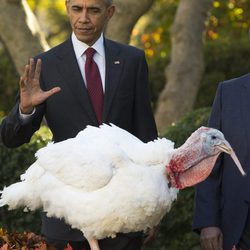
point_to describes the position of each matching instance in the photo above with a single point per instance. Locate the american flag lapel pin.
(116, 62)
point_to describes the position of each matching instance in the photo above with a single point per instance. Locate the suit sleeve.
(208, 194)
(14, 132)
(143, 121)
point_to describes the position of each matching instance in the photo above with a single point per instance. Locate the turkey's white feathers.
(150, 153)
(102, 182)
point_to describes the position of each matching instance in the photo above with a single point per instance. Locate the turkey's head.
(194, 160)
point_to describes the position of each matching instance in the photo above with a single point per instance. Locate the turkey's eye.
(214, 137)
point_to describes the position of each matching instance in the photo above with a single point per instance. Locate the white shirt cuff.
(25, 117)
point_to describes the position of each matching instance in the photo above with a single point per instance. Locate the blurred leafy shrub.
(176, 228)
(8, 81)
(225, 56)
(224, 60)
(13, 163)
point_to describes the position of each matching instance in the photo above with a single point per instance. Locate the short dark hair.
(109, 2)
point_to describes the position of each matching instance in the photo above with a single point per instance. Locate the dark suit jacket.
(126, 104)
(223, 199)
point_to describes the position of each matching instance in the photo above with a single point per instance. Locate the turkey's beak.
(225, 147)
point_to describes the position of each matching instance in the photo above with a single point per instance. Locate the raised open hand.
(31, 93)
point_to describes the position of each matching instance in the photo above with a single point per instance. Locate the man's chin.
(85, 38)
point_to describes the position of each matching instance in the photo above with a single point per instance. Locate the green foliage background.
(226, 44)
(8, 82)
(14, 162)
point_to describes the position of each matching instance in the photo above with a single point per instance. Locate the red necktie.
(94, 83)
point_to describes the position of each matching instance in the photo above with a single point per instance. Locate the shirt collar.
(80, 47)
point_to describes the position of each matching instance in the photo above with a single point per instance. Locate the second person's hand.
(211, 238)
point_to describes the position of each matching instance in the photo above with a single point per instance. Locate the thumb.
(51, 92)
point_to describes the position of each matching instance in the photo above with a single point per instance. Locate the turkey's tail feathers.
(19, 195)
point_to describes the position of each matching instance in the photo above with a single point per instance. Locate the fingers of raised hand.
(34, 70)
(37, 69)
(31, 69)
(31, 73)
(24, 77)
(51, 92)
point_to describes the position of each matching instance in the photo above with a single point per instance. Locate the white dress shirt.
(99, 56)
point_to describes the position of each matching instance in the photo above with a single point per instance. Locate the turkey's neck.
(182, 159)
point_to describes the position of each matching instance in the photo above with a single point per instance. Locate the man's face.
(88, 18)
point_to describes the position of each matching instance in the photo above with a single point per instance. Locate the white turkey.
(106, 181)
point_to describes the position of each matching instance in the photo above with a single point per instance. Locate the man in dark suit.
(222, 201)
(56, 85)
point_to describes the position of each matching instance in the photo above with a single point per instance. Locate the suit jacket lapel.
(114, 66)
(70, 71)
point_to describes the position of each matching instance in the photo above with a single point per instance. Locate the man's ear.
(111, 11)
(67, 6)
